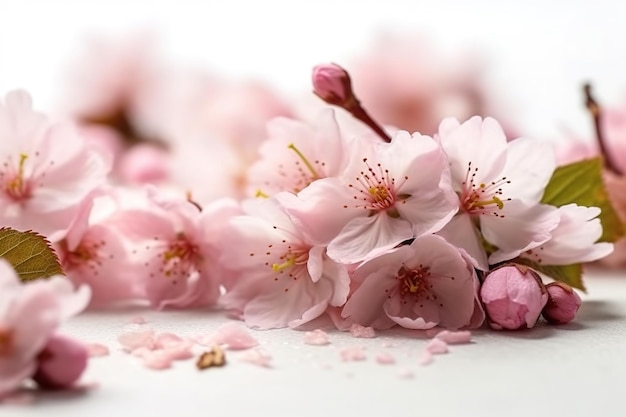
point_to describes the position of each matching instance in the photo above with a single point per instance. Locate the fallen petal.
(96, 350)
(257, 357)
(353, 353)
(385, 358)
(455, 338)
(316, 337)
(356, 330)
(437, 346)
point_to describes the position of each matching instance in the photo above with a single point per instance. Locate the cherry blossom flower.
(281, 277)
(500, 185)
(573, 240)
(417, 286)
(297, 154)
(389, 193)
(46, 304)
(175, 249)
(92, 252)
(45, 170)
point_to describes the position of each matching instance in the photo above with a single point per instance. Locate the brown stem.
(356, 110)
(595, 111)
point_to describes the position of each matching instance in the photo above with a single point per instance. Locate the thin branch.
(596, 111)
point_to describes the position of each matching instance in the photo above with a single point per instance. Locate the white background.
(540, 52)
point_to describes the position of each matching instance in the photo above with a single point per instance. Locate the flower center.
(290, 265)
(178, 257)
(482, 198)
(15, 185)
(376, 190)
(306, 171)
(5, 342)
(88, 253)
(412, 281)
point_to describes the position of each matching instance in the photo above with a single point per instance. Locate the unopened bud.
(332, 84)
(513, 296)
(563, 303)
(61, 363)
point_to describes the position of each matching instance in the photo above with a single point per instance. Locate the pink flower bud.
(61, 363)
(513, 296)
(563, 303)
(332, 84)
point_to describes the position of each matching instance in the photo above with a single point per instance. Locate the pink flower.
(573, 240)
(281, 277)
(45, 170)
(175, 248)
(61, 363)
(46, 304)
(296, 154)
(144, 164)
(513, 296)
(92, 252)
(563, 303)
(500, 185)
(217, 128)
(389, 193)
(417, 286)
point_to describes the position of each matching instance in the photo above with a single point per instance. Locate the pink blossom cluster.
(336, 224)
(30, 347)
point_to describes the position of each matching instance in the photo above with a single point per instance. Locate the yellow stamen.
(289, 262)
(16, 183)
(379, 192)
(494, 200)
(305, 160)
(261, 194)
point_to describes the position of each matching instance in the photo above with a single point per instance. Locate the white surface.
(573, 370)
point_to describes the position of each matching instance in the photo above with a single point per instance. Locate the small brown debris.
(213, 357)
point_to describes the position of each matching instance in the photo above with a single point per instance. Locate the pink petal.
(385, 358)
(165, 340)
(316, 337)
(437, 346)
(426, 358)
(353, 354)
(455, 338)
(138, 320)
(133, 340)
(356, 330)
(257, 357)
(97, 350)
(158, 360)
(235, 336)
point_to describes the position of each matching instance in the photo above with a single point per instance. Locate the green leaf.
(572, 275)
(581, 183)
(29, 253)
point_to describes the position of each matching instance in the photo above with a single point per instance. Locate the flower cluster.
(378, 228)
(285, 220)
